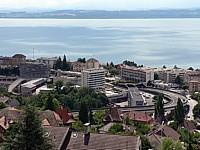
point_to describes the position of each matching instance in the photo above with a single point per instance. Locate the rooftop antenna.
(34, 53)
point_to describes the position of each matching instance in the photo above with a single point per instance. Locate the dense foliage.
(69, 96)
(179, 112)
(9, 71)
(169, 144)
(159, 107)
(27, 134)
(62, 64)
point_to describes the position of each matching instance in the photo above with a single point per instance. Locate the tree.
(190, 68)
(2, 105)
(27, 134)
(167, 143)
(179, 112)
(164, 67)
(111, 64)
(145, 143)
(179, 80)
(58, 64)
(159, 107)
(51, 103)
(116, 128)
(156, 77)
(65, 65)
(83, 113)
(59, 84)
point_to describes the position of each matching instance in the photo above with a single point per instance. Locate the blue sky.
(100, 4)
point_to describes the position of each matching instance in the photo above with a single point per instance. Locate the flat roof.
(34, 83)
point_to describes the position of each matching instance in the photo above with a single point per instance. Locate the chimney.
(87, 128)
(87, 133)
(5, 120)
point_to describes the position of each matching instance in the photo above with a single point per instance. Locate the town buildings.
(30, 70)
(15, 60)
(134, 97)
(136, 74)
(27, 89)
(48, 61)
(89, 64)
(94, 78)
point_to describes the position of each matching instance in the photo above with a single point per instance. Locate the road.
(191, 104)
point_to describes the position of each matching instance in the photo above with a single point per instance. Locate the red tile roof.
(140, 116)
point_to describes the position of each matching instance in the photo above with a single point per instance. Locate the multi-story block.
(135, 74)
(15, 60)
(94, 78)
(34, 70)
(170, 76)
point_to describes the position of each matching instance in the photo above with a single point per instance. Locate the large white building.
(135, 74)
(94, 78)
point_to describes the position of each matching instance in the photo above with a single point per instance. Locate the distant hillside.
(102, 14)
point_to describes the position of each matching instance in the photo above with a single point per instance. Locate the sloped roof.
(53, 118)
(11, 113)
(114, 114)
(79, 140)
(167, 131)
(139, 116)
(12, 102)
(58, 135)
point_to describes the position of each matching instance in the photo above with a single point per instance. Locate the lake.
(151, 42)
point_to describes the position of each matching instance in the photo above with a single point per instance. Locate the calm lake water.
(152, 42)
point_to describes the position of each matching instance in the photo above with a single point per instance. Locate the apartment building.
(143, 74)
(193, 80)
(92, 63)
(94, 78)
(48, 61)
(15, 60)
(32, 70)
(169, 75)
(78, 66)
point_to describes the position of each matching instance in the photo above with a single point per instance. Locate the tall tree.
(58, 64)
(51, 103)
(179, 80)
(65, 65)
(180, 111)
(159, 107)
(156, 77)
(27, 134)
(83, 113)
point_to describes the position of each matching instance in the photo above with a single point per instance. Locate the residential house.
(156, 136)
(140, 117)
(67, 118)
(114, 114)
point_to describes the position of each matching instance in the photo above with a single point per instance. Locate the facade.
(193, 80)
(92, 63)
(34, 70)
(78, 66)
(66, 79)
(48, 61)
(140, 117)
(134, 97)
(15, 60)
(28, 88)
(136, 74)
(94, 78)
(194, 86)
(169, 75)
